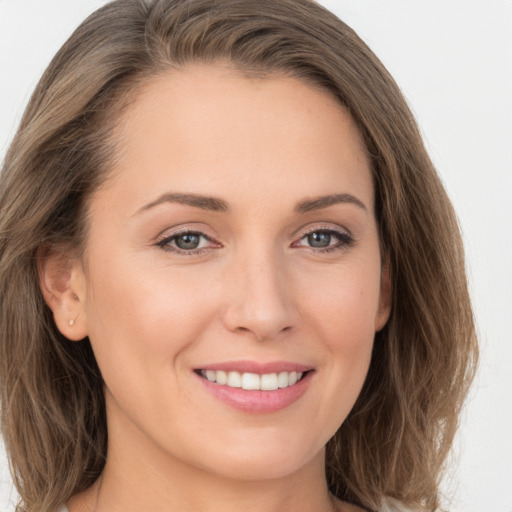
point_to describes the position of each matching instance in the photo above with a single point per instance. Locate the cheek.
(141, 326)
(144, 310)
(344, 301)
(340, 312)
(145, 322)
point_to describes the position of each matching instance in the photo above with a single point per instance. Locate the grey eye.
(188, 241)
(319, 239)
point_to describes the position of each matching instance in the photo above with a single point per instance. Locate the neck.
(132, 485)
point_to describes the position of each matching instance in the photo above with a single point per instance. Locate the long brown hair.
(395, 441)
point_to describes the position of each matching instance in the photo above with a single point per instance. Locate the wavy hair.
(395, 441)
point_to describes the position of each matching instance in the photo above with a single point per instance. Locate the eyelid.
(326, 227)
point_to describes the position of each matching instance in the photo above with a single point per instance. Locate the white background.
(453, 61)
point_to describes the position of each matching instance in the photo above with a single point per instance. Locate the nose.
(261, 301)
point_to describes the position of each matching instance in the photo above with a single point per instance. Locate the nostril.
(263, 315)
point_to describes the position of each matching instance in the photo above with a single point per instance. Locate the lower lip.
(256, 401)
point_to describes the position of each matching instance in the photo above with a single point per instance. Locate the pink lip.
(255, 401)
(255, 367)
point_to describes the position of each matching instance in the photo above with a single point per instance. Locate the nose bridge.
(261, 301)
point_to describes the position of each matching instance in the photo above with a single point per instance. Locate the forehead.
(210, 128)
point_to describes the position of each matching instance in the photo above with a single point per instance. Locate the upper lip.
(256, 367)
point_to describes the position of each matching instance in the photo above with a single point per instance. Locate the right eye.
(186, 243)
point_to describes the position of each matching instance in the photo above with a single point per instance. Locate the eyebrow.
(325, 201)
(219, 205)
(195, 200)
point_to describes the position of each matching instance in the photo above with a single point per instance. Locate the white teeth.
(222, 377)
(253, 381)
(234, 380)
(283, 380)
(269, 382)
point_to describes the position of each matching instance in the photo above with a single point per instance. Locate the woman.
(229, 274)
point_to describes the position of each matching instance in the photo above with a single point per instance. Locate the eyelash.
(345, 240)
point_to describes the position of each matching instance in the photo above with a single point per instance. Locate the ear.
(384, 310)
(62, 282)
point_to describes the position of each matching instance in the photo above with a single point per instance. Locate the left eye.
(188, 241)
(325, 239)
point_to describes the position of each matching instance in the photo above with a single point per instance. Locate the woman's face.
(236, 242)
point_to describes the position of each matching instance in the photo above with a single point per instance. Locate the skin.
(258, 291)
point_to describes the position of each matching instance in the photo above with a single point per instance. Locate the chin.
(263, 460)
(260, 469)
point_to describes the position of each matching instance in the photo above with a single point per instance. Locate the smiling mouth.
(253, 381)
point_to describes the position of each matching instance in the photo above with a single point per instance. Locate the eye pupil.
(188, 241)
(319, 239)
